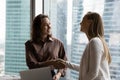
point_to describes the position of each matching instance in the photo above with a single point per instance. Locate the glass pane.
(17, 32)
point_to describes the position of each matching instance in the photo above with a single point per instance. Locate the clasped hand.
(58, 64)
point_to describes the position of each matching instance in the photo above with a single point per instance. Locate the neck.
(88, 36)
(43, 37)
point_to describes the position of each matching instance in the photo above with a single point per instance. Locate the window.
(65, 16)
(59, 13)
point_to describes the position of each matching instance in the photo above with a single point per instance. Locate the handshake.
(58, 64)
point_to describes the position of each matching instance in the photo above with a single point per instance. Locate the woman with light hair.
(96, 58)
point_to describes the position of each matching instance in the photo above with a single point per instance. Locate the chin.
(49, 33)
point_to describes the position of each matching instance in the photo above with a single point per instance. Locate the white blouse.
(93, 65)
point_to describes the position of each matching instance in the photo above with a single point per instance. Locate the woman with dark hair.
(96, 58)
(42, 50)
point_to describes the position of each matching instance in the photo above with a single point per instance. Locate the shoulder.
(57, 40)
(28, 42)
(96, 42)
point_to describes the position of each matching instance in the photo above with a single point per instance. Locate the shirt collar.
(50, 38)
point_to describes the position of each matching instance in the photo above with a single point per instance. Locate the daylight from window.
(65, 17)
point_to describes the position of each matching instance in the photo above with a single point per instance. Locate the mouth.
(49, 31)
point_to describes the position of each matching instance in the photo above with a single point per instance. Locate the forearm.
(32, 65)
(72, 66)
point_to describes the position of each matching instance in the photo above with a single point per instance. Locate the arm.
(72, 66)
(67, 64)
(62, 55)
(95, 54)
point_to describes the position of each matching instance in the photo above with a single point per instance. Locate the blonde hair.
(96, 30)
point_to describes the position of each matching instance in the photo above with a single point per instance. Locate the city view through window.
(65, 17)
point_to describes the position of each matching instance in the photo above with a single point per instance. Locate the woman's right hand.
(58, 64)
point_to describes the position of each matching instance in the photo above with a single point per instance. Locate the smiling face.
(84, 24)
(46, 26)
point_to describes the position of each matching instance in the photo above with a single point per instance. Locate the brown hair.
(96, 29)
(36, 27)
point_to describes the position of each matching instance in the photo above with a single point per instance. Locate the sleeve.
(72, 66)
(62, 55)
(95, 55)
(31, 58)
